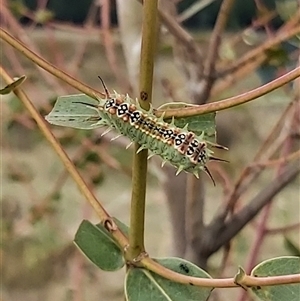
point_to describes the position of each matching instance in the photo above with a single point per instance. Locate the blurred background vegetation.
(241, 14)
(41, 206)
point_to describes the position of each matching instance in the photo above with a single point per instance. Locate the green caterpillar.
(178, 146)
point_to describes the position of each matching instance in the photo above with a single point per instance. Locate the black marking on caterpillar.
(180, 147)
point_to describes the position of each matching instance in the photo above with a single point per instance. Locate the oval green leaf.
(9, 88)
(285, 265)
(198, 124)
(141, 284)
(98, 245)
(77, 111)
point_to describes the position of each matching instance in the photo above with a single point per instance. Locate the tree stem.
(139, 178)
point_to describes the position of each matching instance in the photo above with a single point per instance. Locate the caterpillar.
(178, 146)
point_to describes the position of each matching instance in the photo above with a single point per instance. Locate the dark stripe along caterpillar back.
(178, 146)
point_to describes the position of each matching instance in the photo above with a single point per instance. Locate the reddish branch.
(225, 231)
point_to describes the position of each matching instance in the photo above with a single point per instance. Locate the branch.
(11, 22)
(248, 175)
(179, 33)
(236, 100)
(213, 48)
(272, 231)
(48, 66)
(247, 281)
(241, 218)
(139, 176)
(260, 50)
(99, 209)
(273, 163)
(108, 42)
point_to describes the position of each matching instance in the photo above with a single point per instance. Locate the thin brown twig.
(293, 21)
(248, 63)
(55, 53)
(248, 281)
(260, 51)
(262, 9)
(108, 41)
(264, 19)
(240, 36)
(281, 160)
(231, 79)
(272, 231)
(18, 69)
(249, 174)
(11, 22)
(236, 100)
(10, 54)
(48, 66)
(248, 212)
(99, 209)
(213, 49)
(261, 229)
(254, 251)
(224, 178)
(182, 35)
(81, 47)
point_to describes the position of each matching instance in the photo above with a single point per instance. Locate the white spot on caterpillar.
(178, 146)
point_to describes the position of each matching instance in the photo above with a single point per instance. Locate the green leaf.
(9, 88)
(98, 245)
(141, 284)
(198, 124)
(285, 265)
(77, 111)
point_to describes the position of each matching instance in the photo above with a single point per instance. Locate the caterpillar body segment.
(182, 148)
